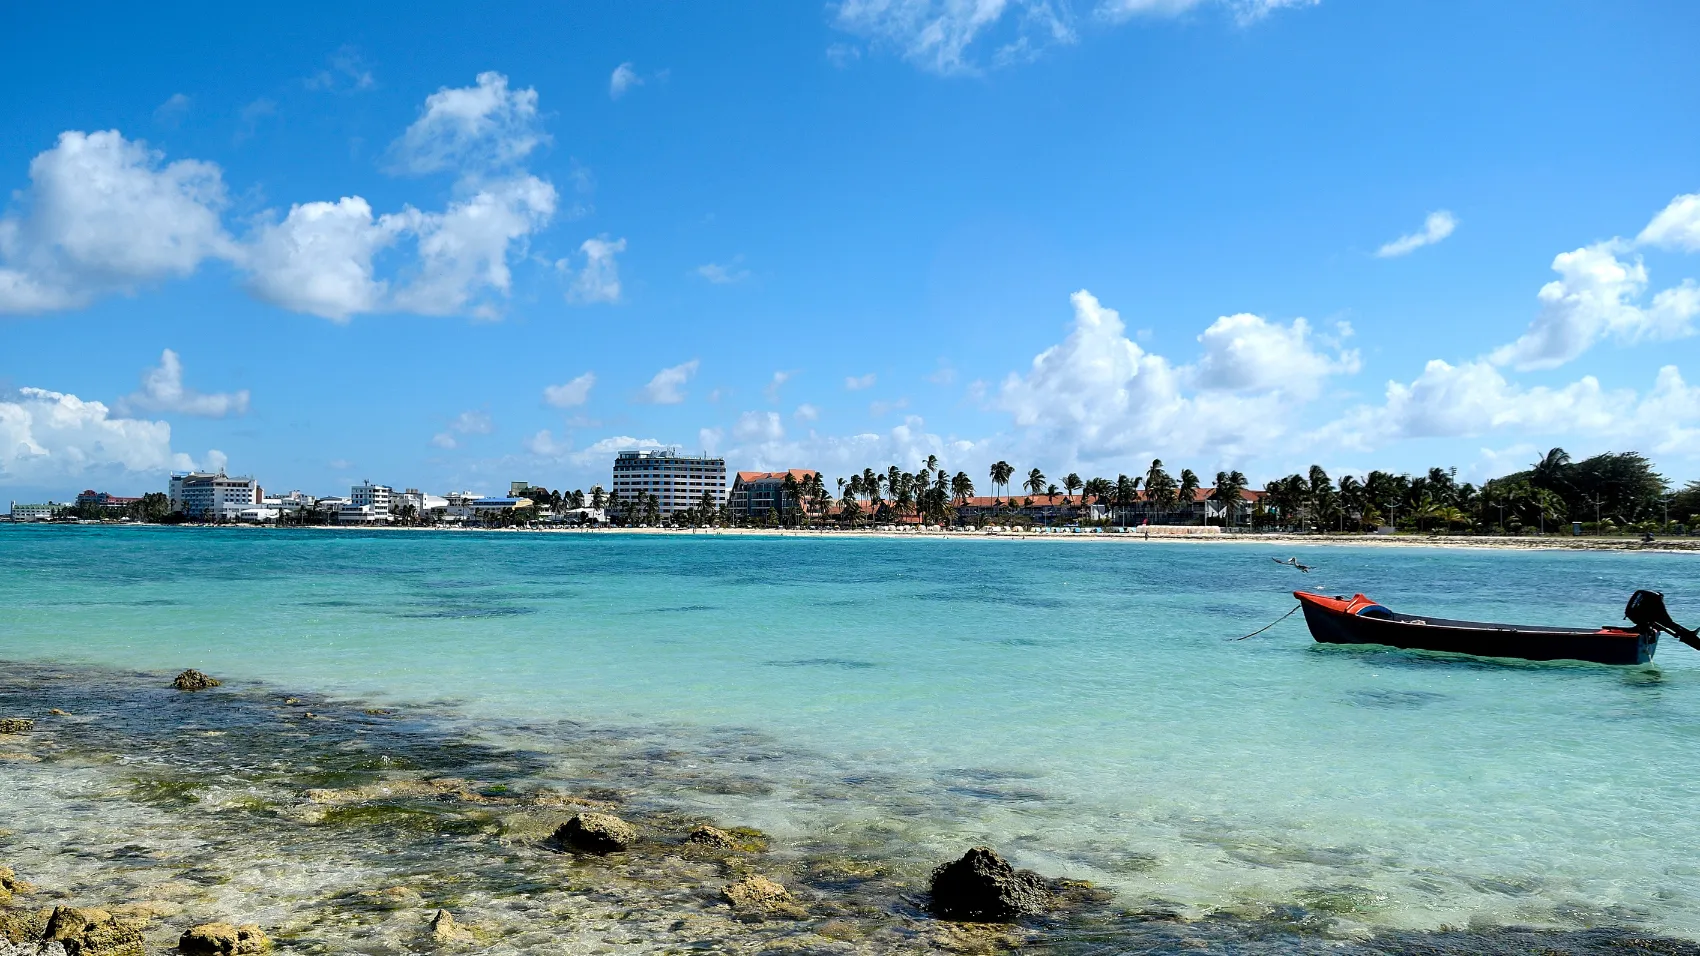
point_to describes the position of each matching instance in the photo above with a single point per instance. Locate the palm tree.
(790, 494)
(932, 463)
(1159, 487)
(1072, 483)
(1001, 473)
(1230, 491)
(1035, 483)
(1549, 472)
(1126, 493)
(1188, 491)
(962, 487)
(871, 484)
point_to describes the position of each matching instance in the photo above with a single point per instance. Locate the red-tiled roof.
(798, 473)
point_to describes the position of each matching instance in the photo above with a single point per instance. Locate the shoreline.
(387, 815)
(1671, 545)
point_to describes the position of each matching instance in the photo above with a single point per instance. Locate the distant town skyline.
(450, 247)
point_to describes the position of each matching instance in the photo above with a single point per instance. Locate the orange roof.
(1039, 501)
(797, 473)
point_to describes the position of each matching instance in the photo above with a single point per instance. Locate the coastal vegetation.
(1609, 493)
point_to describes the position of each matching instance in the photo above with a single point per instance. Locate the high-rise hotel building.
(677, 481)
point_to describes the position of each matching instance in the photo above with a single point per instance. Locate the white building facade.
(212, 496)
(677, 481)
(34, 512)
(367, 504)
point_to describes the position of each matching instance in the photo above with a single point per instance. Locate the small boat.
(1359, 620)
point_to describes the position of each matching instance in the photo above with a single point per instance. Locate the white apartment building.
(367, 504)
(34, 512)
(213, 495)
(677, 481)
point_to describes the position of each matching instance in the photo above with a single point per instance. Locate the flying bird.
(1293, 563)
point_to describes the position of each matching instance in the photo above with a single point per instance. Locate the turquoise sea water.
(1076, 704)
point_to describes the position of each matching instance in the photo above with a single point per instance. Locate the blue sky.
(443, 247)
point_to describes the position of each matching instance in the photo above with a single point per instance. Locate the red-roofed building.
(755, 493)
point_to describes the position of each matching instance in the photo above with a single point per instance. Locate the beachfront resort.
(1612, 493)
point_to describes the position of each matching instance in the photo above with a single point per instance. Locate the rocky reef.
(252, 821)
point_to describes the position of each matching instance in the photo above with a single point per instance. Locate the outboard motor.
(1646, 611)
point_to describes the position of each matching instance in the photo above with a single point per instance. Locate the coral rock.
(16, 725)
(223, 939)
(192, 679)
(757, 898)
(23, 926)
(92, 932)
(712, 838)
(11, 886)
(983, 887)
(444, 929)
(596, 833)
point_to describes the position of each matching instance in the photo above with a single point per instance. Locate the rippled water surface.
(1075, 704)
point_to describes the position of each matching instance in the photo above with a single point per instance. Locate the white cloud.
(319, 258)
(1474, 399)
(599, 280)
(856, 383)
(758, 426)
(1677, 226)
(570, 394)
(466, 423)
(718, 274)
(1436, 227)
(1593, 299)
(907, 443)
(163, 391)
(103, 215)
(806, 413)
(1245, 11)
(1097, 396)
(710, 438)
(936, 34)
(216, 461)
(544, 445)
(668, 385)
(778, 381)
(624, 78)
(463, 251)
(485, 126)
(251, 115)
(49, 436)
(959, 36)
(171, 112)
(345, 71)
(1249, 353)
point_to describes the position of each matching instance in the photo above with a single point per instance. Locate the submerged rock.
(9, 948)
(192, 679)
(758, 897)
(223, 939)
(92, 932)
(983, 887)
(23, 926)
(596, 833)
(16, 725)
(11, 886)
(711, 838)
(444, 929)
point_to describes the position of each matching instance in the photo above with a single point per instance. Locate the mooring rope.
(1267, 626)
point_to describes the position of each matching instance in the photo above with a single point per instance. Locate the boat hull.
(1344, 621)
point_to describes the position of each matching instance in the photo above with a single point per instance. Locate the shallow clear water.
(1076, 704)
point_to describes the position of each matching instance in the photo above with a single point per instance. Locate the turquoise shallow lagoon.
(1075, 704)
